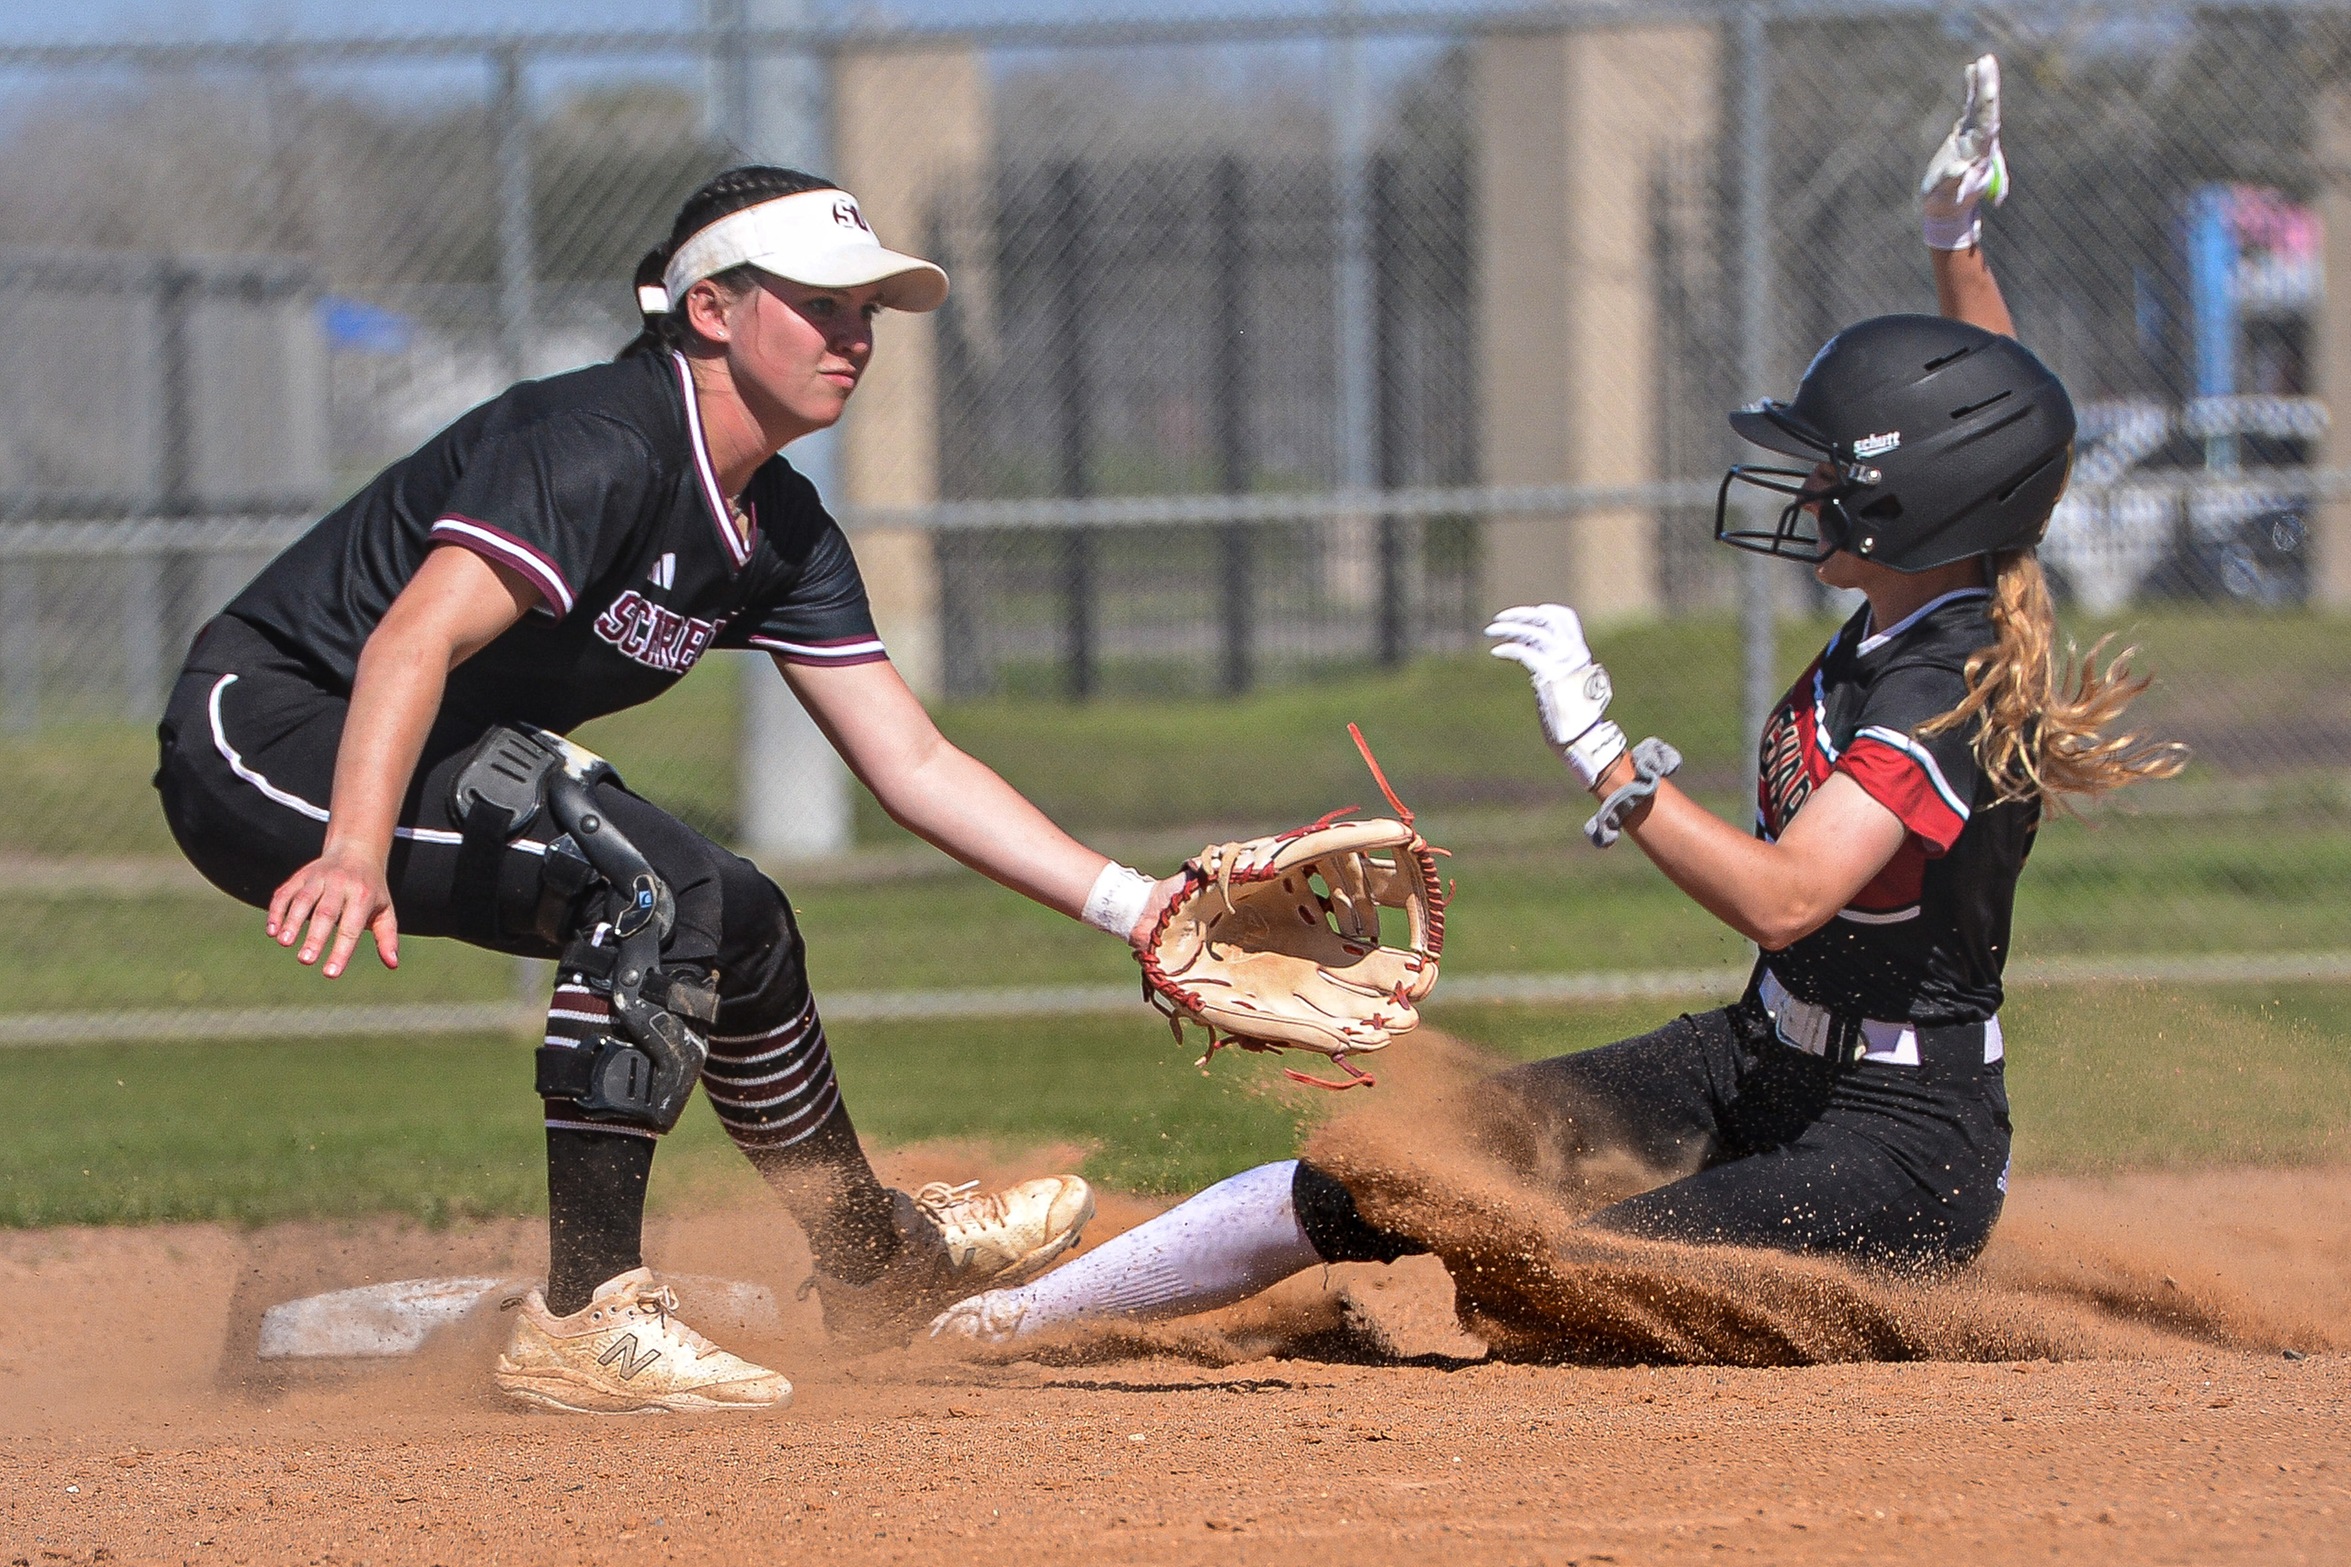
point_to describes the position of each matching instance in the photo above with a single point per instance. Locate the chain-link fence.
(1283, 344)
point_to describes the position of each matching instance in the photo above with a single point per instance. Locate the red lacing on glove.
(1169, 998)
(1357, 1077)
(1403, 811)
(1438, 894)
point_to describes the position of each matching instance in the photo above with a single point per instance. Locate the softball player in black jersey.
(1851, 1102)
(368, 740)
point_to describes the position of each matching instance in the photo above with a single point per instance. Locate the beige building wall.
(910, 126)
(2330, 359)
(1572, 130)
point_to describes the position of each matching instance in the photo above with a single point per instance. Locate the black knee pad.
(504, 787)
(641, 1074)
(622, 912)
(1326, 1212)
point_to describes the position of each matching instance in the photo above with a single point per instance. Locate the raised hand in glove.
(1968, 169)
(1571, 690)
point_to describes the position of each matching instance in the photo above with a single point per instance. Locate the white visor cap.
(817, 237)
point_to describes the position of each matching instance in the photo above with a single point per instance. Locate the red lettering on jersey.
(614, 623)
(663, 636)
(639, 636)
(1790, 764)
(654, 635)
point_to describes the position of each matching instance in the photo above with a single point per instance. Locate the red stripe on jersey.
(497, 544)
(1898, 886)
(1899, 782)
(834, 663)
(714, 500)
(831, 652)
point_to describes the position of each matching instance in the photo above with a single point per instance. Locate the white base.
(385, 1321)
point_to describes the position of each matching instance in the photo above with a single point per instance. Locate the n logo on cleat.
(624, 1350)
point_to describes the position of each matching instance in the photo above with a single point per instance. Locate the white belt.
(1813, 1029)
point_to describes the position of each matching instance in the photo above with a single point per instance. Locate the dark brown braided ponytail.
(732, 191)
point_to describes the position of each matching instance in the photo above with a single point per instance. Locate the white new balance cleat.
(625, 1352)
(993, 1317)
(1005, 1237)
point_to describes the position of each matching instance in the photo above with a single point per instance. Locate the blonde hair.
(2043, 716)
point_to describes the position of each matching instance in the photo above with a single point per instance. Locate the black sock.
(827, 1185)
(595, 1211)
(1326, 1212)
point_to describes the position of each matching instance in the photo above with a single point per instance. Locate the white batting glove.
(1571, 690)
(1968, 169)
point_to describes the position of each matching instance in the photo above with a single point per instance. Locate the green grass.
(447, 1128)
(204, 949)
(1533, 898)
(2247, 669)
(1449, 731)
(82, 789)
(1452, 731)
(437, 1128)
(2102, 1079)
(2105, 1077)
(2117, 1077)
(2242, 882)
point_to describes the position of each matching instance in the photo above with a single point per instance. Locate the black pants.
(1902, 1165)
(249, 740)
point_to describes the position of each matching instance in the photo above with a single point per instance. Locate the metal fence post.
(1357, 433)
(518, 268)
(144, 605)
(148, 578)
(20, 647)
(792, 790)
(1233, 392)
(1751, 136)
(965, 668)
(727, 90)
(1398, 535)
(175, 296)
(517, 259)
(1073, 275)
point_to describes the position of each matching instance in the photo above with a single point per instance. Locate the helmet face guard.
(1811, 527)
(1814, 524)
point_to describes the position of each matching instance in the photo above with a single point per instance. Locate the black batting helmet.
(1930, 440)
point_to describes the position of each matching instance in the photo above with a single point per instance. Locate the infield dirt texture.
(2144, 1368)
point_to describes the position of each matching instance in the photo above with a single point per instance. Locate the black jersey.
(1926, 940)
(596, 487)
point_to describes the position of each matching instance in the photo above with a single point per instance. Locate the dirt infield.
(1347, 1418)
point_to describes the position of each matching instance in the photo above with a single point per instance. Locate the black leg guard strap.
(498, 794)
(515, 775)
(1326, 1212)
